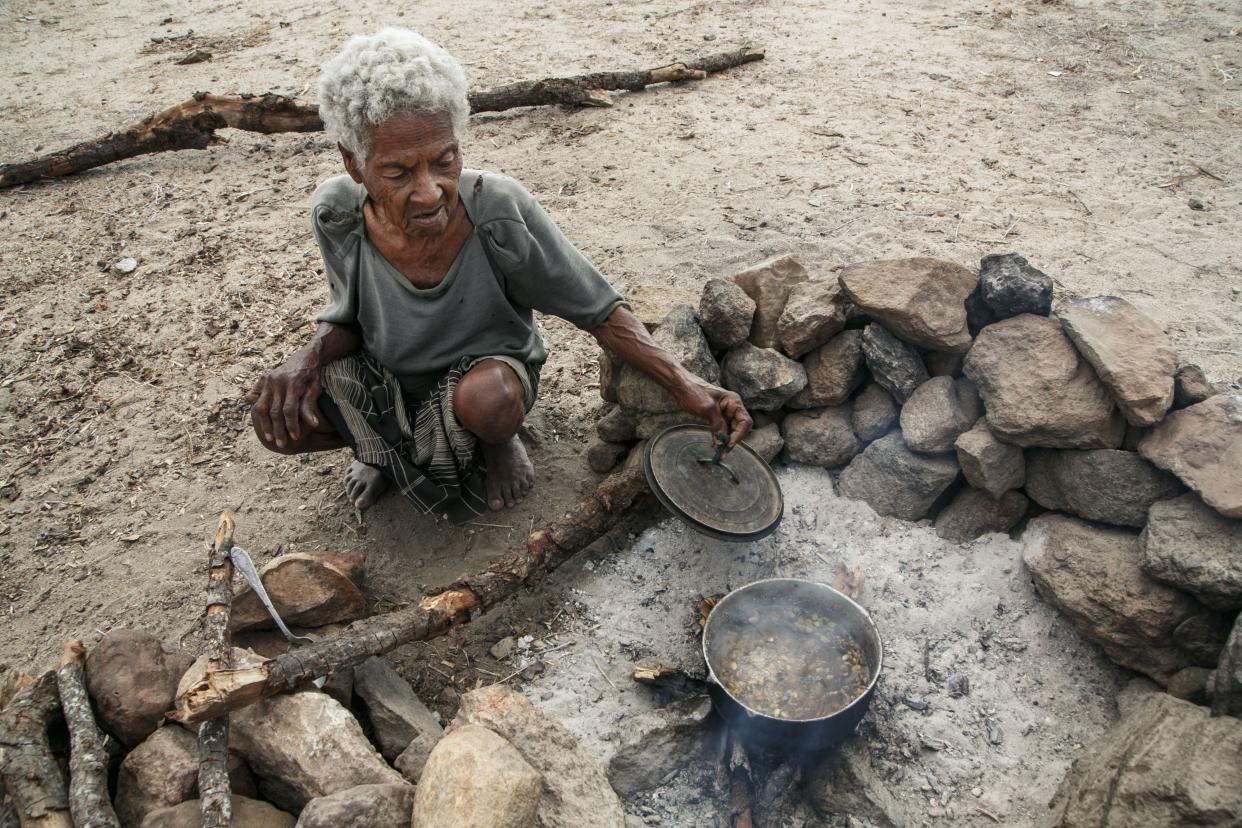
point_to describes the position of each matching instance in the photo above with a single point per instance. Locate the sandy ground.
(1084, 135)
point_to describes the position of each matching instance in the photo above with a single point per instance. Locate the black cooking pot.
(759, 727)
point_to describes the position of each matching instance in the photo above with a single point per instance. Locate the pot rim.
(863, 698)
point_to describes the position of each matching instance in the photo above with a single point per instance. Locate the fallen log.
(192, 124)
(220, 691)
(89, 804)
(215, 797)
(31, 776)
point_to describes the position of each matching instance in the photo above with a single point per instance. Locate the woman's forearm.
(330, 343)
(627, 337)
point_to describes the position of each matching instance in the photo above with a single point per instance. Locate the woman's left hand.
(722, 410)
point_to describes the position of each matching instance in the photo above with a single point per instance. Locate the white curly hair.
(388, 73)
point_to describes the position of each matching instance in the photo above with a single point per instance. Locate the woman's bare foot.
(364, 484)
(510, 474)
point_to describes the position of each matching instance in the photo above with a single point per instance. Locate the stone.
(1133, 436)
(937, 413)
(844, 784)
(943, 364)
(617, 426)
(896, 366)
(1190, 386)
(1009, 285)
(305, 745)
(1036, 388)
(1190, 684)
(726, 314)
(476, 779)
(833, 371)
(163, 771)
(366, 806)
(768, 284)
(1107, 485)
(413, 759)
(1091, 574)
(681, 336)
(814, 313)
(132, 677)
(987, 463)
(973, 513)
(1166, 763)
(272, 643)
(651, 303)
(1129, 352)
(820, 437)
(766, 441)
(397, 716)
(603, 456)
(247, 813)
(649, 425)
(661, 742)
(920, 300)
(874, 413)
(126, 265)
(1202, 445)
(895, 481)
(575, 790)
(978, 314)
(763, 377)
(308, 590)
(1227, 681)
(609, 374)
(1187, 544)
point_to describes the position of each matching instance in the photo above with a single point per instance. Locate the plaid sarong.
(430, 459)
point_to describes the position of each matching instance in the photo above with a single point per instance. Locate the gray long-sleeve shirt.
(418, 334)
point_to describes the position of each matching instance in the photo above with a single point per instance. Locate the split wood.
(192, 124)
(215, 798)
(31, 775)
(220, 691)
(741, 785)
(88, 760)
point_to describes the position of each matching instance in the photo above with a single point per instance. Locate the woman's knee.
(490, 401)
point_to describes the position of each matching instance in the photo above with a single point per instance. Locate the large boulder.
(1037, 390)
(163, 771)
(874, 413)
(305, 745)
(1166, 763)
(477, 779)
(769, 285)
(397, 716)
(1227, 682)
(833, 371)
(820, 437)
(1092, 574)
(1187, 544)
(307, 589)
(726, 314)
(651, 303)
(766, 441)
(814, 313)
(1107, 485)
(1129, 352)
(247, 813)
(894, 364)
(921, 300)
(681, 336)
(132, 677)
(366, 806)
(1191, 385)
(987, 463)
(575, 790)
(938, 412)
(1009, 286)
(973, 513)
(659, 742)
(1202, 445)
(763, 377)
(895, 481)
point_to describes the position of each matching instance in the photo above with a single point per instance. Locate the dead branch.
(193, 123)
(741, 786)
(224, 690)
(670, 682)
(214, 795)
(31, 776)
(88, 761)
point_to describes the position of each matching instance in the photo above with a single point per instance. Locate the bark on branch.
(214, 795)
(31, 776)
(224, 690)
(88, 761)
(193, 123)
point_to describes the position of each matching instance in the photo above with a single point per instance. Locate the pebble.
(502, 649)
(126, 266)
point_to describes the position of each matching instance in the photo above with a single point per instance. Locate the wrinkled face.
(411, 172)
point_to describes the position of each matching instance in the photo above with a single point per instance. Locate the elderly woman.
(427, 359)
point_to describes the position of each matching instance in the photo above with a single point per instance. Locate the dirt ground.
(1093, 137)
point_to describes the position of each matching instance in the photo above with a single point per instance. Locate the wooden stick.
(192, 124)
(31, 776)
(214, 796)
(223, 690)
(741, 786)
(88, 761)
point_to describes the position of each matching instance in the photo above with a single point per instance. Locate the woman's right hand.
(283, 401)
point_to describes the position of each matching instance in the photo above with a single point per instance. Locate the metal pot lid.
(734, 498)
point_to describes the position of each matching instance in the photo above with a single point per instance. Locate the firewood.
(31, 775)
(220, 691)
(192, 124)
(741, 786)
(214, 795)
(672, 683)
(88, 760)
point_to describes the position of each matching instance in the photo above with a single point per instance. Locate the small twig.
(988, 814)
(857, 161)
(600, 667)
